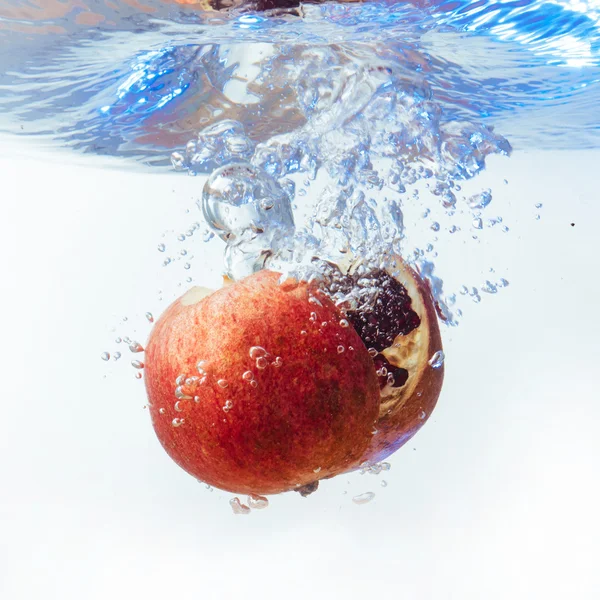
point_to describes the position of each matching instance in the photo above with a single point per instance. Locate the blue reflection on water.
(533, 66)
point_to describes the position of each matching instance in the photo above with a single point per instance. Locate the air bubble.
(138, 375)
(161, 247)
(257, 502)
(162, 411)
(136, 347)
(317, 470)
(238, 508)
(277, 362)
(313, 300)
(344, 323)
(340, 349)
(254, 383)
(222, 383)
(178, 406)
(248, 376)
(180, 380)
(118, 340)
(137, 364)
(324, 324)
(228, 406)
(437, 360)
(180, 394)
(372, 352)
(422, 415)
(116, 356)
(363, 498)
(105, 356)
(383, 483)
(303, 332)
(176, 422)
(257, 352)
(150, 317)
(261, 363)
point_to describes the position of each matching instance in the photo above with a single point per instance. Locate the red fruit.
(273, 405)
(291, 389)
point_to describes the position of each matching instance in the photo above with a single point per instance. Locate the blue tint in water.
(379, 108)
(140, 82)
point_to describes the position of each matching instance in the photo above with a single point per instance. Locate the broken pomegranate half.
(266, 385)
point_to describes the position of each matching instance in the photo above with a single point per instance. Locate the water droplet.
(238, 508)
(257, 502)
(480, 200)
(136, 347)
(344, 323)
(228, 406)
(222, 383)
(437, 360)
(340, 349)
(150, 317)
(161, 247)
(257, 352)
(176, 422)
(363, 498)
(137, 364)
(105, 356)
(261, 363)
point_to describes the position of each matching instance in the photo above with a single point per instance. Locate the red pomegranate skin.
(309, 418)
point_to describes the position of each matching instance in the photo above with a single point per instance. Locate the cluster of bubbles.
(253, 502)
(134, 347)
(369, 141)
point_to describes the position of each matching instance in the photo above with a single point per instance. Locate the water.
(324, 129)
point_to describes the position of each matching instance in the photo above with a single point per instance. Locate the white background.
(497, 497)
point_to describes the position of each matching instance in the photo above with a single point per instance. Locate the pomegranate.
(266, 386)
